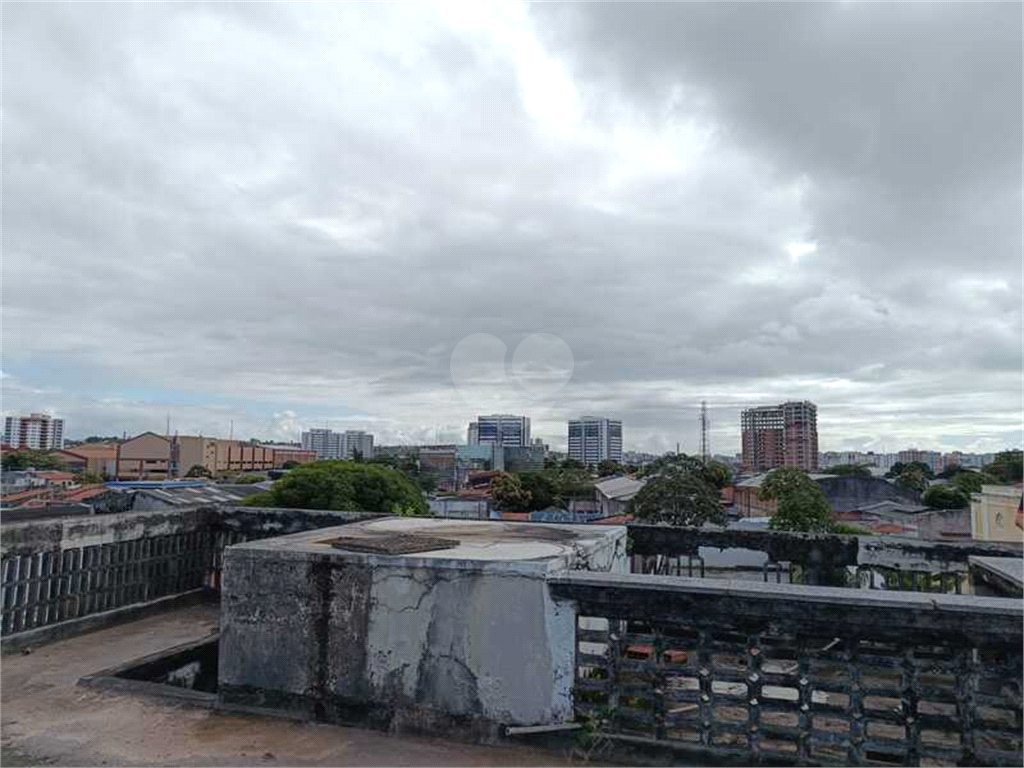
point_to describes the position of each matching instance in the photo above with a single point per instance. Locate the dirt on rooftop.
(47, 719)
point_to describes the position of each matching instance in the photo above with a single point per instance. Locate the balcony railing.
(746, 672)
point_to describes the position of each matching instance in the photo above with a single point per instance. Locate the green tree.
(912, 479)
(945, 497)
(899, 468)
(803, 509)
(785, 480)
(249, 479)
(88, 478)
(800, 504)
(680, 493)
(849, 470)
(290, 465)
(13, 461)
(261, 499)
(971, 482)
(608, 467)
(542, 488)
(719, 473)
(346, 486)
(573, 465)
(1007, 466)
(508, 493)
(197, 470)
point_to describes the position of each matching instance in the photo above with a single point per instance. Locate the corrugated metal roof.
(619, 487)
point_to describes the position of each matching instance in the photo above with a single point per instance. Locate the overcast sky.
(291, 215)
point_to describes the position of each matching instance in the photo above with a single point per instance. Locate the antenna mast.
(704, 448)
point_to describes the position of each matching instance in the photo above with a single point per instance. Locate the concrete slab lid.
(491, 544)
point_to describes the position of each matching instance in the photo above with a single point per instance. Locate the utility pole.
(704, 448)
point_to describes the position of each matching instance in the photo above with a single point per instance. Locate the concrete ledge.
(51, 633)
(408, 720)
(723, 603)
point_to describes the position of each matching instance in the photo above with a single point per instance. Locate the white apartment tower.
(38, 432)
(358, 443)
(593, 439)
(338, 445)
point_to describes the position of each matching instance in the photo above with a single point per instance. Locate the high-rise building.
(326, 443)
(500, 429)
(329, 444)
(358, 443)
(783, 435)
(593, 439)
(933, 459)
(38, 432)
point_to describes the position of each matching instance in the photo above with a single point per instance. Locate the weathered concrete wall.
(52, 535)
(938, 524)
(262, 522)
(848, 493)
(61, 570)
(423, 641)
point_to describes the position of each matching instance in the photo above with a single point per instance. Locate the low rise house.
(615, 493)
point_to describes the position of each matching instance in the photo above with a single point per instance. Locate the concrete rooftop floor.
(46, 718)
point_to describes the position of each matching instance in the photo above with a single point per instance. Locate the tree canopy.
(345, 486)
(718, 473)
(783, 481)
(803, 509)
(508, 493)
(801, 506)
(540, 489)
(410, 466)
(899, 468)
(1007, 466)
(945, 497)
(681, 491)
(970, 482)
(14, 461)
(912, 479)
(197, 470)
(849, 470)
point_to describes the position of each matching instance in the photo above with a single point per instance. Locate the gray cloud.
(232, 211)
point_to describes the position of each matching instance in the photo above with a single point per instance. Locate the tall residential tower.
(783, 435)
(38, 432)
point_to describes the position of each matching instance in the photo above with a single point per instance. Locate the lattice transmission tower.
(705, 449)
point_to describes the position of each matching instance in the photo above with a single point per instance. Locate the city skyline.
(688, 219)
(557, 440)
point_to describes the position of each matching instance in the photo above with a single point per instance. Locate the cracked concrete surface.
(469, 632)
(48, 720)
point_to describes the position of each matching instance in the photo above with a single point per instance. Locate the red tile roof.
(29, 494)
(616, 520)
(54, 475)
(523, 517)
(81, 494)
